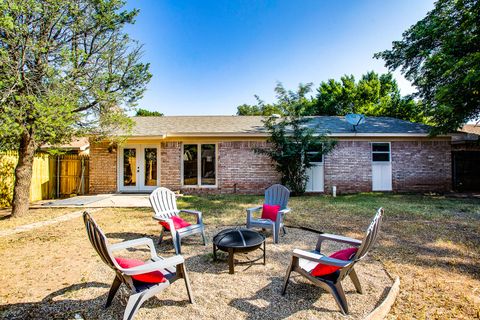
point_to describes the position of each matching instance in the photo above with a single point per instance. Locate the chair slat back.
(368, 241)
(97, 239)
(370, 236)
(164, 202)
(277, 195)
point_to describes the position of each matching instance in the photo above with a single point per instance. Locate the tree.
(283, 96)
(65, 67)
(291, 141)
(373, 95)
(147, 113)
(440, 54)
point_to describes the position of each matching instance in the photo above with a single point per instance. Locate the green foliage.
(292, 142)
(440, 54)
(285, 100)
(373, 95)
(66, 67)
(147, 113)
(8, 162)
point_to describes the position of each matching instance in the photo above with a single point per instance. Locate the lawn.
(431, 242)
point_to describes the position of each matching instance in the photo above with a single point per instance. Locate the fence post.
(58, 177)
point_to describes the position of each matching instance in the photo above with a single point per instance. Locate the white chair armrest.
(320, 258)
(194, 212)
(337, 238)
(284, 211)
(134, 243)
(154, 266)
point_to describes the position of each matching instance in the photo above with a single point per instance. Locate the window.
(199, 165)
(314, 155)
(380, 152)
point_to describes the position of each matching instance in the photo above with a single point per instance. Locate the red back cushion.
(270, 212)
(150, 277)
(178, 223)
(323, 269)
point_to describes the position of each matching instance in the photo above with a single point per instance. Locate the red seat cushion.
(150, 277)
(270, 212)
(323, 269)
(178, 223)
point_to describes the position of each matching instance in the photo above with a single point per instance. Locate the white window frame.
(389, 150)
(199, 166)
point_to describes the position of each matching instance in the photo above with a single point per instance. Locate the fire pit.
(238, 240)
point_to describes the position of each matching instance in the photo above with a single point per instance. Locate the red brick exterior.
(417, 166)
(103, 169)
(241, 170)
(348, 167)
(170, 165)
(421, 166)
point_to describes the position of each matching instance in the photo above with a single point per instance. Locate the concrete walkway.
(36, 225)
(98, 201)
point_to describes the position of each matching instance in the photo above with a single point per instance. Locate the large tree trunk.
(23, 175)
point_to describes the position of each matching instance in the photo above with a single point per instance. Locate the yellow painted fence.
(52, 176)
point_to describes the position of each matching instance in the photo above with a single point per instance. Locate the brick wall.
(103, 169)
(349, 167)
(421, 166)
(242, 170)
(170, 165)
(416, 166)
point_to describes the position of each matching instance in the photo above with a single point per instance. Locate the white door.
(381, 167)
(315, 172)
(315, 177)
(139, 168)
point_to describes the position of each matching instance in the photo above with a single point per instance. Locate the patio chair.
(275, 195)
(307, 263)
(144, 279)
(164, 204)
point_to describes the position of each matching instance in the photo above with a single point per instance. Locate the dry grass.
(432, 243)
(34, 215)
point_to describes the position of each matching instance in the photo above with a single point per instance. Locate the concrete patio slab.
(98, 201)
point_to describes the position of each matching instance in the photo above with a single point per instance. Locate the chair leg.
(113, 290)
(284, 230)
(356, 282)
(204, 237)
(337, 291)
(287, 278)
(187, 282)
(176, 242)
(160, 238)
(134, 303)
(276, 230)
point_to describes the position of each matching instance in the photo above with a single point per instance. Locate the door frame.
(389, 162)
(140, 154)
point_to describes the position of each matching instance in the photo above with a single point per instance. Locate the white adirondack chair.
(164, 203)
(172, 268)
(274, 195)
(303, 262)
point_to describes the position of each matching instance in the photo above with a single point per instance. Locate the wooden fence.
(52, 176)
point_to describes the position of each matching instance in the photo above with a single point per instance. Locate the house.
(78, 145)
(215, 154)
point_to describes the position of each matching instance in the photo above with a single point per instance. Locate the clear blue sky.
(207, 57)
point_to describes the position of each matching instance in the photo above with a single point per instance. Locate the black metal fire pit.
(238, 240)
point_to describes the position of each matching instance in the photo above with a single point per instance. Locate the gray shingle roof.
(252, 125)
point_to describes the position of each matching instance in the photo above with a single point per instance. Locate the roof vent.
(355, 120)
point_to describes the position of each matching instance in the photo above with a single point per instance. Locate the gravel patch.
(253, 292)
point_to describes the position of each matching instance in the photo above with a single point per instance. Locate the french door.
(139, 168)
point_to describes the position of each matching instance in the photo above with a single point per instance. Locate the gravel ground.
(251, 293)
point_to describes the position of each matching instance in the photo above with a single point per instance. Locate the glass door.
(150, 170)
(139, 168)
